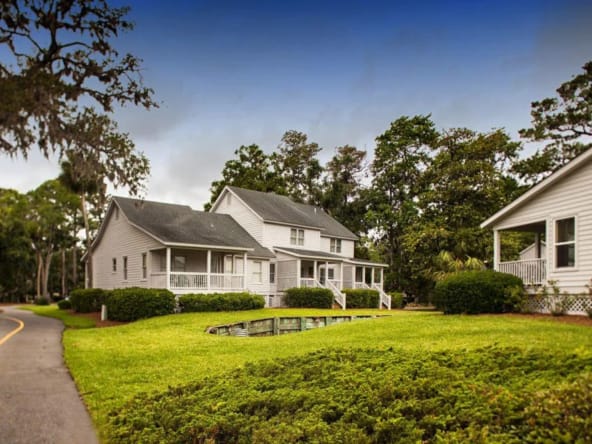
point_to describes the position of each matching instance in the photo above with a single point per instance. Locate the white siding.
(279, 236)
(242, 214)
(121, 239)
(571, 197)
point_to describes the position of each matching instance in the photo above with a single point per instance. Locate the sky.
(232, 73)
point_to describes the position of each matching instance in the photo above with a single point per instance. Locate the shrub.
(42, 301)
(131, 304)
(361, 298)
(474, 292)
(221, 302)
(397, 299)
(64, 304)
(87, 300)
(309, 297)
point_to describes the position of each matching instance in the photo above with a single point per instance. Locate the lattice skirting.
(574, 304)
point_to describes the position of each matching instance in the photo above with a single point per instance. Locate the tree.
(250, 169)
(296, 162)
(49, 226)
(401, 156)
(564, 123)
(58, 55)
(466, 182)
(341, 195)
(17, 264)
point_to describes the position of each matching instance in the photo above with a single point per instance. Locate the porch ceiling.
(534, 227)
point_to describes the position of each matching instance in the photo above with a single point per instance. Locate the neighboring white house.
(259, 242)
(558, 211)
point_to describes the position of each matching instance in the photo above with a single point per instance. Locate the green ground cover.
(111, 365)
(52, 311)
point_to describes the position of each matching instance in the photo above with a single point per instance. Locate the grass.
(113, 364)
(52, 311)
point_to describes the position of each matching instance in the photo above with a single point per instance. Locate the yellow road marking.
(13, 332)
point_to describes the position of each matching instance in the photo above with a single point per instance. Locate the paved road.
(39, 402)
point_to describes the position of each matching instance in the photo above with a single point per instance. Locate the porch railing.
(199, 281)
(531, 271)
(309, 283)
(337, 294)
(385, 299)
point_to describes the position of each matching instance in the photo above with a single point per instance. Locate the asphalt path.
(39, 402)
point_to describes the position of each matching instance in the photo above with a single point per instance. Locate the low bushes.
(361, 298)
(474, 292)
(220, 302)
(309, 297)
(397, 299)
(64, 304)
(42, 301)
(130, 304)
(87, 300)
(485, 395)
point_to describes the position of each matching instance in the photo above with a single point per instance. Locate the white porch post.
(537, 245)
(245, 270)
(382, 278)
(168, 268)
(373, 270)
(315, 273)
(364, 275)
(341, 276)
(496, 249)
(298, 265)
(326, 273)
(208, 268)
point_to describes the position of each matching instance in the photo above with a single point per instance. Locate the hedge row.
(124, 304)
(309, 297)
(361, 298)
(220, 302)
(475, 292)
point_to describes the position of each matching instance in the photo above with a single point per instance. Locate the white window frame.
(257, 272)
(335, 245)
(124, 268)
(144, 265)
(556, 244)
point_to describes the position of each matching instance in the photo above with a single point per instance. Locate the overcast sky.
(235, 73)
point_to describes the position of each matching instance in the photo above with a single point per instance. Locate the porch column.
(341, 276)
(496, 249)
(537, 245)
(298, 274)
(315, 273)
(208, 268)
(326, 273)
(364, 275)
(168, 268)
(245, 270)
(372, 276)
(382, 278)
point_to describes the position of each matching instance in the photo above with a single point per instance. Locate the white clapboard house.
(249, 241)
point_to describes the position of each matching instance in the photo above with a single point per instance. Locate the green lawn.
(110, 365)
(52, 311)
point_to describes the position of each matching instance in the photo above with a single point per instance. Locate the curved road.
(39, 402)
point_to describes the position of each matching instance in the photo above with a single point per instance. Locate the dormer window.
(296, 236)
(335, 245)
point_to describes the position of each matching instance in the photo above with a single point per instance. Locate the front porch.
(187, 270)
(533, 269)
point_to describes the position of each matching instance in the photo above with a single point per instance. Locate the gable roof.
(179, 224)
(274, 208)
(539, 188)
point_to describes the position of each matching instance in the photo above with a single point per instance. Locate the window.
(331, 274)
(272, 273)
(144, 265)
(228, 264)
(296, 236)
(238, 265)
(179, 263)
(257, 272)
(565, 242)
(125, 268)
(335, 245)
(114, 264)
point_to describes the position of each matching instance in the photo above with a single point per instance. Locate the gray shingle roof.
(281, 209)
(179, 224)
(309, 253)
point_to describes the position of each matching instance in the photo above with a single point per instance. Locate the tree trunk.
(45, 282)
(74, 267)
(39, 273)
(89, 267)
(64, 272)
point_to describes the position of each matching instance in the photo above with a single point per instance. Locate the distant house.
(558, 211)
(249, 241)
